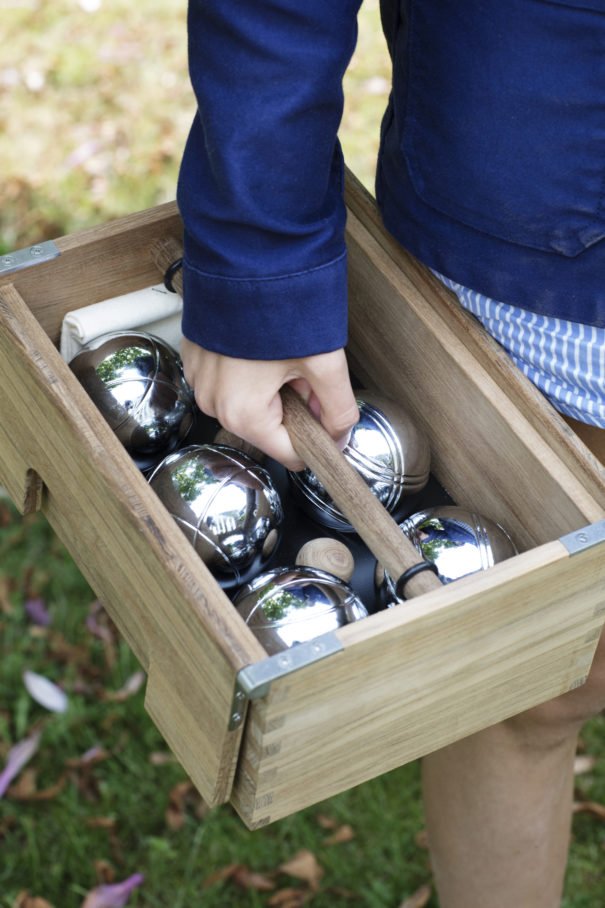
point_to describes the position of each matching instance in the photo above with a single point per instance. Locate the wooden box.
(275, 734)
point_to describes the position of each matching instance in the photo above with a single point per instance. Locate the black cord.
(411, 572)
(170, 273)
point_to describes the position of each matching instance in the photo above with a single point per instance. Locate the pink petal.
(17, 757)
(113, 895)
(37, 612)
(45, 692)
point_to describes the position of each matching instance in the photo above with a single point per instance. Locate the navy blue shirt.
(491, 166)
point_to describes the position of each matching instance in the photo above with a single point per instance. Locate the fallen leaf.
(104, 871)
(220, 875)
(250, 879)
(112, 895)
(344, 833)
(128, 689)
(419, 899)
(326, 822)
(583, 763)
(37, 611)
(91, 757)
(304, 866)
(26, 788)
(592, 807)
(101, 822)
(25, 900)
(422, 839)
(161, 758)
(17, 757)
(289, 898)
(181, 797)
(45, 692)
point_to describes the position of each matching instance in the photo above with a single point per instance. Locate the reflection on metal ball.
(136, 380)
(286, 606)
(226, 505)
(456, 540)
(388, 451)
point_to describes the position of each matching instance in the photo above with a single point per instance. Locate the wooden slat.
(416, 678)
(482, 347)
(23, 484)
(96, 264)
(484, 451)
(179, 624)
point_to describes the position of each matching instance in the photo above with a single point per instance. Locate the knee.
(558, 719)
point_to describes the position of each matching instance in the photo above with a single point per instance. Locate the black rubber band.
(411, 572)
(170, 273)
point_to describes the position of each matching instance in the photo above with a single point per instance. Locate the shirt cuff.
(283, 317)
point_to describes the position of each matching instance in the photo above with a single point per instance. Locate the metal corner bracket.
(25, 258)
(583, 539)
(254, 681)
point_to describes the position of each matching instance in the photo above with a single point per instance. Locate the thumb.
(332, 400)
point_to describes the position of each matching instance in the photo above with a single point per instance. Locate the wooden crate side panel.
(485, 452)
(162, 598)
(96, 264)
(421, 676)
(491, 355)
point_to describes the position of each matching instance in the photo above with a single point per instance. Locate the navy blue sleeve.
(260, 185)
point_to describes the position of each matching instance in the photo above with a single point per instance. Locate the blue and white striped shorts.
(565, 360)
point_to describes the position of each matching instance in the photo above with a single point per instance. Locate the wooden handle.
(351, 494)
(313, 445)
(328, 554)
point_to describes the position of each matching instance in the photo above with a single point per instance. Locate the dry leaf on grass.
(112, 895)
(419, 899)
(422, 839)
(583, 763)
(26, 788)
(304, 866)
(25, 900)
(344, 833)
(130, 687)
(161, 758)
(182, 797)
(289, 898)
(17, 757)
(101, 822)
(45, 692)
(326, 822)
(250, 879)
(220, 875)
(592, 807)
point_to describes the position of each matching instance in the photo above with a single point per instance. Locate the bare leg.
(498, 804)
(498, 815)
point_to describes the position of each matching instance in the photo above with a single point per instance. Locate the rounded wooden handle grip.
(362, 509)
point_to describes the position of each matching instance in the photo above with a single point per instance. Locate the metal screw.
(35, 250)
(284, 661)
(317, 648)
(7, 260)
(236, 717)
(240, 695)
(582, 537)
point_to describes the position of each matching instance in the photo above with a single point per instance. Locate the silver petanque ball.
(387, 449)
(136, 380)
(226, 505)
(456, 540)
(286, 606)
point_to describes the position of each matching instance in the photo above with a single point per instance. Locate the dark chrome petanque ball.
(290, 605)
(136, 380)
(457, 541)
(226, 505)
(388, 450)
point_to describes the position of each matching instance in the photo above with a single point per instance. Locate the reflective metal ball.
(136, 380)
(286, 606)
(456, 540)
(226, 505)
(388, 451)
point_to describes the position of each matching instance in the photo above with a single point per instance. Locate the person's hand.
(243, 395)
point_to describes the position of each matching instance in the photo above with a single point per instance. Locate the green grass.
(49, 848)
